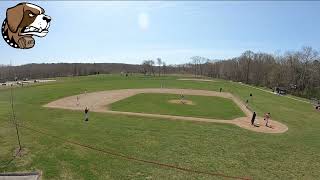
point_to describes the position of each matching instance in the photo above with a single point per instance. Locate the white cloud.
(143, 21)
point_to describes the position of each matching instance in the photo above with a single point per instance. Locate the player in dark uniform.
(86, 111)
(253, 118)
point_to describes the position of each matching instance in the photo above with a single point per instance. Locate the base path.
(99, 101)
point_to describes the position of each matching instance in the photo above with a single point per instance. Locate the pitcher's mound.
(178, 101)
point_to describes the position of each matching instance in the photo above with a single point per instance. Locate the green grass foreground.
(204, 106)
(218, 148)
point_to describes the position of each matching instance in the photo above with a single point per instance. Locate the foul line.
(134, 158)
(273, 93)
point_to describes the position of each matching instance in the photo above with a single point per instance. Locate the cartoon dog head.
(22, 22)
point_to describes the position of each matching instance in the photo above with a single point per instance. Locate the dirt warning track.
(99, 101)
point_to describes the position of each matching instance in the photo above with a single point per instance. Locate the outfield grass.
(219, 148)
(204, 106)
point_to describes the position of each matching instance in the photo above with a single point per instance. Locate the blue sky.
(129, 32)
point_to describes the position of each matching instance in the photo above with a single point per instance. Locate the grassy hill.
(210, 147)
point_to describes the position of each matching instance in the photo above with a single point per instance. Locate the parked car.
(281, 90)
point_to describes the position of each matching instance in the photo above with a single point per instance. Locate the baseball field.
(143, 127)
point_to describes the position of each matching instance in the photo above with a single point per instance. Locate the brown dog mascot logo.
(22, 22)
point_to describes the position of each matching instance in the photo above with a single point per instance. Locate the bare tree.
(164, 67)
(159, 61)
(198, 63)
(152, 66)
(148, 67)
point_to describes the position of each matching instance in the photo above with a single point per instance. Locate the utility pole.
(14, 114)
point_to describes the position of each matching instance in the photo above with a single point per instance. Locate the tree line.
(51, 70)
(296, 71)
(37, 71)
